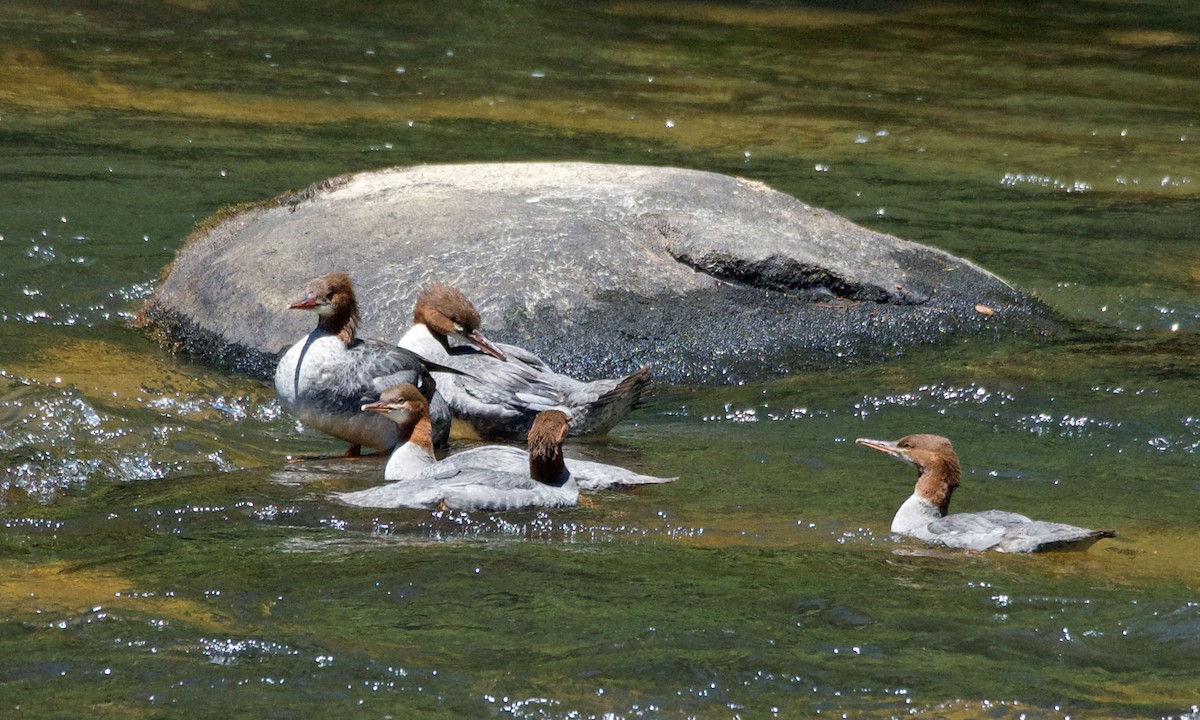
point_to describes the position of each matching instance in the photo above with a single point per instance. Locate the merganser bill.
(322, 379)
(423, 482)
(503, 387)
(924, 514)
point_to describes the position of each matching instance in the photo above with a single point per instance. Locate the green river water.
(160, 558)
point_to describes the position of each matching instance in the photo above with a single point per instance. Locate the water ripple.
(941, 396)
(1019, 179)
(763, 412)
(52, 437)
(27, 524)
(1081, 417)
(227, 651)
(34, 307)
(1174, 626)
(445, 524)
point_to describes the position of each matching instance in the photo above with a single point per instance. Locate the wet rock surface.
(597, 268)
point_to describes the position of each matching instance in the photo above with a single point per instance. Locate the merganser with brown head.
(414, 457)
(322, 379)
(925, 514)
(503, 387)
(422, 482)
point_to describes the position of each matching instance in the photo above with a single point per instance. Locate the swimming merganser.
(503, 386)
(322, 379)
(924, 516)
(406, 407)
(422, 482)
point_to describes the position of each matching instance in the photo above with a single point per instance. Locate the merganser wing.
(467, 489)
(1009, 532)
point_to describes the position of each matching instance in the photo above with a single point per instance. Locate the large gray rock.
(598, 268)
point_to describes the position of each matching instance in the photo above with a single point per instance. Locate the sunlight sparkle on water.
(936, 396)
(543, 527)
(1018, 179)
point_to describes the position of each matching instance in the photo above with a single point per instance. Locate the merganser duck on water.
(423, 482)
(502, 387)
(924, 514)
(404, 405)
(322, 379)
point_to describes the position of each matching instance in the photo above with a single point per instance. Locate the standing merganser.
(321, 380)
(406, 407)
(924, 516)
(422, 482)
(502, 387)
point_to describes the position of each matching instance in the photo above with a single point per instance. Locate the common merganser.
(423, 482)
(322, 379)
(924, 514)
(406, 407)
(502, 387)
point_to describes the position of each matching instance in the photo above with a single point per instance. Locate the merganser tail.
(597, 406)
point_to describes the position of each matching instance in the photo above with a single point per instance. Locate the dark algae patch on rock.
(598, 268)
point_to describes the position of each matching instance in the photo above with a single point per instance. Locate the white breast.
(914, 516)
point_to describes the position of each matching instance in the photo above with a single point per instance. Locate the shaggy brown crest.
(546, 438)
(447, 311)
(331, 296)
(935, 460)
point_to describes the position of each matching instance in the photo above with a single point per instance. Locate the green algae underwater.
(160, 557)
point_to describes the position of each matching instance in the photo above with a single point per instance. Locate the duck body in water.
(497, 476)
(500, 388)
(590, 476)
(925, 514)
(423, 482)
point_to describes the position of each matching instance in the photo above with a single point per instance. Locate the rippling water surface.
(160, 557)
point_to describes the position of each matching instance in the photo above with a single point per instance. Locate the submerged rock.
(598, 268)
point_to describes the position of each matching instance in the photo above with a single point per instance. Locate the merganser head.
(403, 404)
(446, 311)
(331, 297)
(327, 294)
(546, 438)
(935, 460)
